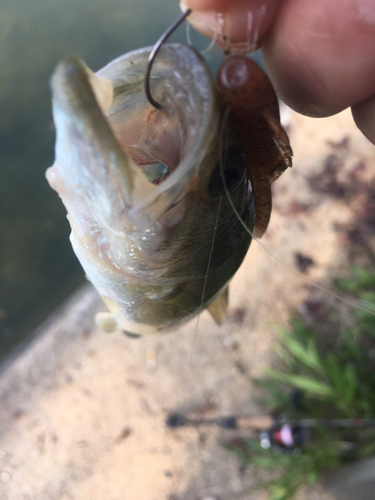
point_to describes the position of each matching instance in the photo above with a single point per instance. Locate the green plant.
(290, 472)
(361, 283)
(336, 377)
(340, 376)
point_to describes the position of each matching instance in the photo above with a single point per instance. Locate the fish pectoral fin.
(218, 308)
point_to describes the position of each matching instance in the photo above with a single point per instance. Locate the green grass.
(336, 376)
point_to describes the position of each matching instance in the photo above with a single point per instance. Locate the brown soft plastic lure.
(252, 101)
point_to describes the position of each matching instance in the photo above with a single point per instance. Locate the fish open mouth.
(127, 157)
(156, 149)
(168, 145)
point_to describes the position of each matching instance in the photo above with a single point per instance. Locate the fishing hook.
(155, 50)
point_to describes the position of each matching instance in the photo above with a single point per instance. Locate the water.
(37, 266)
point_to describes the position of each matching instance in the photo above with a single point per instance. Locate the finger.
(364, 117)
(321, 55)
(235, 25)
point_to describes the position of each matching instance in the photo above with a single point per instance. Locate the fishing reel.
(284, 437)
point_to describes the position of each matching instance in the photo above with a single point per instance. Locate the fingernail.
(221, 29)
(183, 6)
(205, 22)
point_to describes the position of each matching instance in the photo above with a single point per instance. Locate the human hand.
(320, 55)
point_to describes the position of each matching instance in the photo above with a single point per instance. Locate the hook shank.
(155, 50)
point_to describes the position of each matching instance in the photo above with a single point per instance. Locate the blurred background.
(38, 269)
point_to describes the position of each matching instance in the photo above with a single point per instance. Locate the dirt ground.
(82, 413)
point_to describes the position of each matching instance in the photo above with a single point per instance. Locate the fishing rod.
(267, 422)
(281, 434)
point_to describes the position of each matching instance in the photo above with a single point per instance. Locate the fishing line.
(360, 304)
(190, 43)
(208, 267)
(188, 37)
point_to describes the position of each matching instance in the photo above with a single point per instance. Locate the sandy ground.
(82, 412)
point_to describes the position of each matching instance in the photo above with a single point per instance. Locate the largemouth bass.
(151, 223)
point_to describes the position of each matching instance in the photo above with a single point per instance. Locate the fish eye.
(234, 165)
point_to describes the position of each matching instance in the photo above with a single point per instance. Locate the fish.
(249, 95)
(145, 188)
